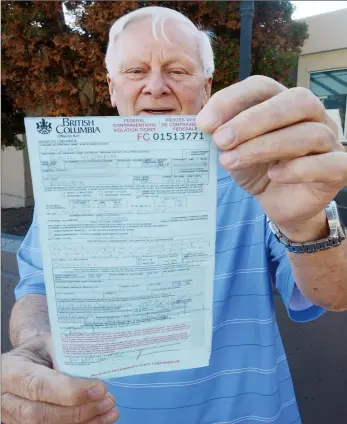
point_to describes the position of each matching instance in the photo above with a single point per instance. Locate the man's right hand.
(34, 393)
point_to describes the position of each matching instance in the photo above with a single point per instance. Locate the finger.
(332, 125)
(19, 410)
(109, 418)
(285, 144)
(285, 109)
(50, 350)
(39, 383)
(9, 413)
(229, 102)
(328, 168)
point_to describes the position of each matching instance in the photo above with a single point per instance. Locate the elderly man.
(280, 166)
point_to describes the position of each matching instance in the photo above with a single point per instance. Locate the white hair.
(159, 15)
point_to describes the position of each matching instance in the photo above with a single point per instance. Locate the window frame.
(343, 140)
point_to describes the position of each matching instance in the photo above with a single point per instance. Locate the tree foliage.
(12, 122)
(54, 69)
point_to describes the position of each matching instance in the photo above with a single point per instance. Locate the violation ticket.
(126, 209)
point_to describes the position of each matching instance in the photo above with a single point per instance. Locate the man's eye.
(177, 72)
(135, 71)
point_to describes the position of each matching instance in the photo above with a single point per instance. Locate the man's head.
(158, 61)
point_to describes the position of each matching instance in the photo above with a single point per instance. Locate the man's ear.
(111, 91)
(207, 89)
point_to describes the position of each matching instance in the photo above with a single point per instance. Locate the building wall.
(12, 173)
(325, 50)
(327, 32)
(322, 61)
(16, 187)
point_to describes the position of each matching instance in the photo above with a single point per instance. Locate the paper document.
(127, 217)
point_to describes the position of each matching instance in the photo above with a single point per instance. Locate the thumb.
(50, 350)
(36, 382)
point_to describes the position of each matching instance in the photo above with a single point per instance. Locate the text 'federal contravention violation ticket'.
(126, 208)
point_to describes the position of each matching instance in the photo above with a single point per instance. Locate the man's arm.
(321, 276)
(29, 318)
(283, 148)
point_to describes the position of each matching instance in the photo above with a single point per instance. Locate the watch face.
(337, 232)
(341, 225)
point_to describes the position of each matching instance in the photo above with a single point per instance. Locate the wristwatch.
(336, 236)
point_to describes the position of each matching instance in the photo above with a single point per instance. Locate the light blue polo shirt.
(248, 379)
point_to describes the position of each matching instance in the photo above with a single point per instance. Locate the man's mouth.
(157, 111)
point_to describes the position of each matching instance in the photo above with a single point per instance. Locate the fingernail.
(105, 405)
(96, 392)
(207, 120)
(229, 158)
(111, 417)
(224, 137)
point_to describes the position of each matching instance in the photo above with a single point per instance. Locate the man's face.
(153, 77)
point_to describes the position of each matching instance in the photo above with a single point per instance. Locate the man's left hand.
(281, 146)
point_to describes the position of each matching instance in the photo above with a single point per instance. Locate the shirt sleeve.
(298, 307)
(30, 264)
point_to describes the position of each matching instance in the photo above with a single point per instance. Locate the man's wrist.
(313, 229)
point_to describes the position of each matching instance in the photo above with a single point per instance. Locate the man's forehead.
(140, 34)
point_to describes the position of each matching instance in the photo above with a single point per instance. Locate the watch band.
(336, 236)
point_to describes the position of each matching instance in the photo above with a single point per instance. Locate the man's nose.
(156, 84)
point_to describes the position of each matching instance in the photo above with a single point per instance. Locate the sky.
(310, 8)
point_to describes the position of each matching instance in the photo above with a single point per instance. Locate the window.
(331, 88)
